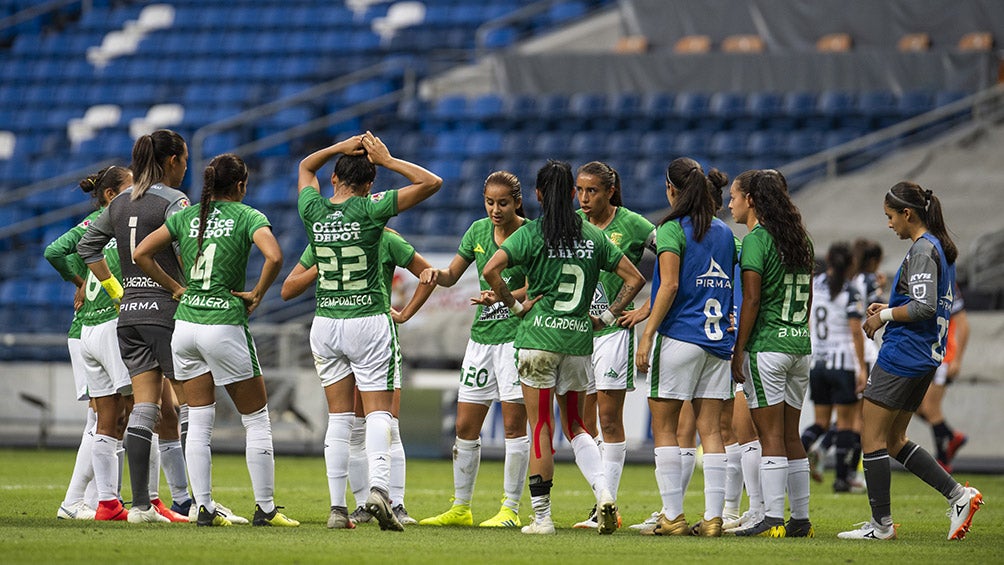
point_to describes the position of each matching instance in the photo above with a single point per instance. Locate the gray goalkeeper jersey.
(145, 302)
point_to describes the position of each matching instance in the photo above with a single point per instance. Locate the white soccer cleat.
(544, 526)
(193, 514)
(870, 531)
(961, 511)
(79, 510)
(589, 523)
(648, 525)
(749, 518)
(150, 515)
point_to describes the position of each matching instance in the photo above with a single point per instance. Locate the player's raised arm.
(307, 175)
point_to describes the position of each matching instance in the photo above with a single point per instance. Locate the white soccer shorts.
(613, 362)
(685, 371)
(776, 377)
(546, 369)
(489, 374)
(225, 350)
(364, 347)
(103, 368)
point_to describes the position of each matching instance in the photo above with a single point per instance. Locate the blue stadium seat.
(875, 109)
(588, 145)
(484, 144)
(802, 143)
(657, 144)
(796, 107)
(485, 109)
(832, 106)
(565, 11)
(587, 105)
(914, 102)
(761, 107)
(728, 144)
(691, 106)
(552, 145)
(693, 144)
(624, 143)
(450, 144)
(766, 144)
(727, 106)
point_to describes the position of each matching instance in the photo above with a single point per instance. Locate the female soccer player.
(489, 369)
(838, 371)
(913, 345)
(88, 301)
(395, 252)
(352, 334)
(562, 256)
(146, 316)
(598, 188)
(212, 345)
(772, 351)
(693, 290)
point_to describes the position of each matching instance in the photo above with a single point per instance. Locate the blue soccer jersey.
(912, 349)
(700, 311)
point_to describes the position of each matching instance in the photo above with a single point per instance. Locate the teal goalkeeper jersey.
(62, 255)
(492, 324)
(395, 251)
(630, 232)
(566, 278)
(782, 325)
(222, 266)
(345, 238)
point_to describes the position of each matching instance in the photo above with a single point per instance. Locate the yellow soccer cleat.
(275, 518)
(457, 515)
(506, 518)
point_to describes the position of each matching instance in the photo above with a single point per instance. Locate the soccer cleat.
(675, 527)
(729, 514)
(111, 510)
(539, 526)
(378, 505)
(185, 508)
(607, 518)
(852, 486)
(215, 518)
(229, 514)
(816, 464)
(166, 512)
(749, 518)
(961, 511)
(648, 525)
(958, 440)
(79, 510)
(360, 515)
(799, 528)
(339, 519)
(708, 528)
(150, 515)
(403, 517)
(589, 523)
(766, 528)
(273, 518)
(506, 518)
(871, 531)
(457, 515)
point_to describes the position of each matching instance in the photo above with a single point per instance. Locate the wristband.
(885, 314)
(516, 308)
(608, 318)
(114, 289)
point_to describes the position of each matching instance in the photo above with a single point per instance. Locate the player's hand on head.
(376, 151)
(351, 146)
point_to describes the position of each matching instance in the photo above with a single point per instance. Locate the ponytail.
(220, 181)
(149, 155)
(694, 194)
(928, 209)
(205, 204)
(561, 226)
(109, 177)
(838, 262)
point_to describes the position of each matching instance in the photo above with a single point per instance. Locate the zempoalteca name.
(353, 300)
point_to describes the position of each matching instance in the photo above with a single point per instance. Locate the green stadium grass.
(32, 484)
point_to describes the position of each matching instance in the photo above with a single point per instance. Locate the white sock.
(669, 476)
(590, 462)
(198, 454)
(774, 480)
(733, 477)
(798, 488)
(91, 492)
(359, 467)
(336, 455)
(517, 461)
(173, 460)
(466, 462)
(83, 470)
(378, 426)
(688, 460)
(259, 455)
(105, 467)
(715, 465)
(398, 464)
(154, 467)
(120, 454)
(613, 465)
(751, 474)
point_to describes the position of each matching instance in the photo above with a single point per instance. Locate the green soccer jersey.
(346, 242)
(62, 255)
(492, 324)
(222, 266)
(395, 251)
(782, 324)
(98, 307)
(630, 232)
(565, 277)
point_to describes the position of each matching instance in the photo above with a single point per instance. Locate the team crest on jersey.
(478, 248)
(184, 203)
(334, 215)
(85, 223)
(376, 197)
(919, 291)
(616, 237)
